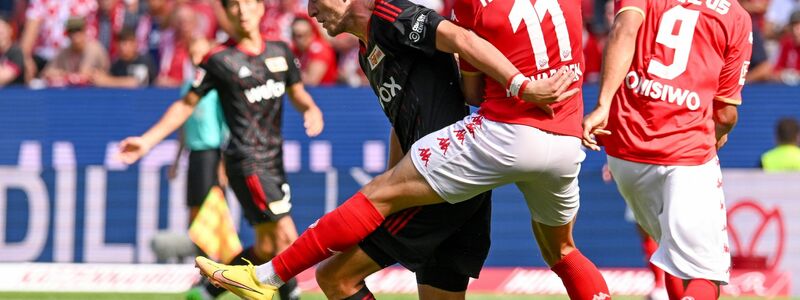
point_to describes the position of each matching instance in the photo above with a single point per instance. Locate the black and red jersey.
(417, 85)
(251, 88)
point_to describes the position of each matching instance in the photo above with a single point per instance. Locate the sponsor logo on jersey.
(375, 57)
(388, 90)
(270, 89)
(418, 28)
(244, 72)
(199, 75)
(276, 64)
(662, 91)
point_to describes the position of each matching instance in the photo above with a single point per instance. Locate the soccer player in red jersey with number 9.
(670, 85)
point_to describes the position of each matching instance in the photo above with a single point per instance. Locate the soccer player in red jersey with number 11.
(533, 145)
(670, 85)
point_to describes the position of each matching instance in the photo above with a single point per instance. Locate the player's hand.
(312, 121)
(594, 124)
(550, 90)
(722, 141)
(132, 149)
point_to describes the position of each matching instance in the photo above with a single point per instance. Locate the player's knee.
(331, 286)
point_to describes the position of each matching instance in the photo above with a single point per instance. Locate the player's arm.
(482, 55)
(472, 85)
(725, 117)
(133, 148)
(617, 59)
(395, 151)
(732, 78)
(304, 104)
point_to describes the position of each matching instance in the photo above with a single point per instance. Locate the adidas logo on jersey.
(244, 72)
(271, 89)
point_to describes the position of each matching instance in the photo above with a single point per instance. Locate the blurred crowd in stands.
(137, 43)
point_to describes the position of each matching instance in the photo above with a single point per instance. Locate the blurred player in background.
(474, 155)
(670, 85)
(251, 77)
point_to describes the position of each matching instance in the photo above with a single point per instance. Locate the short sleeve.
(293, 74)
(639, 6)
(737, 61)
(203, 80)
(464, 12)
(414, 27)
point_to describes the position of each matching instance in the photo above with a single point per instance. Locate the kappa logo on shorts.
(471, 129)
(460, 135)
(425, 155)
(444, 143)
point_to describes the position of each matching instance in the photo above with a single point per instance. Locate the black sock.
(363, 294)
(289, 290)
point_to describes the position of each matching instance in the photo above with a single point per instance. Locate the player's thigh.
(550, 181)
(342, 274)
(399, 188)
(641, 186)
(466, 158)
(695, 222)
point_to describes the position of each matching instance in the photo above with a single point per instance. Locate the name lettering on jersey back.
(720, 6)
(270, 89)
(661, 91)
(388, 90)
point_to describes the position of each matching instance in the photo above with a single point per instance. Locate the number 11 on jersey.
(533, 15)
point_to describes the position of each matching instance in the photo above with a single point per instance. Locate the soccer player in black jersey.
(251, 77)
(406, 56)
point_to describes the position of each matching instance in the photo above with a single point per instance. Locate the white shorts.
(475, 155)
(683, 209)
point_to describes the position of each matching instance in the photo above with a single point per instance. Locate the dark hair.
(787, 131)
(127, 34)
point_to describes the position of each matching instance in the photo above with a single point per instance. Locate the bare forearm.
(395, 151)
(300, 98)
(173, 118)
(475, 50)
(617, 58)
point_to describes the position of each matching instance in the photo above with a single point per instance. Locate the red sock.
(674, 286)
(338, 230)
(581, 277)
(701, 289)
(649, 247)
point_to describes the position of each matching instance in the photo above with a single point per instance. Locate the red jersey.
(320, 50)
(537, 46)
(689, 53)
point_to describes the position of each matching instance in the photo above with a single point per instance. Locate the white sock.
(266, 274)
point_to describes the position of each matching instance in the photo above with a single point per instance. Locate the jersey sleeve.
(293, 74)
(204, 81)
(639, 6)
(413, 27)
(464, 12)
(737, 62)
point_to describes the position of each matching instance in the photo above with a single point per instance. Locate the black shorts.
(444, 244)
(202, 175)
(264, 196)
